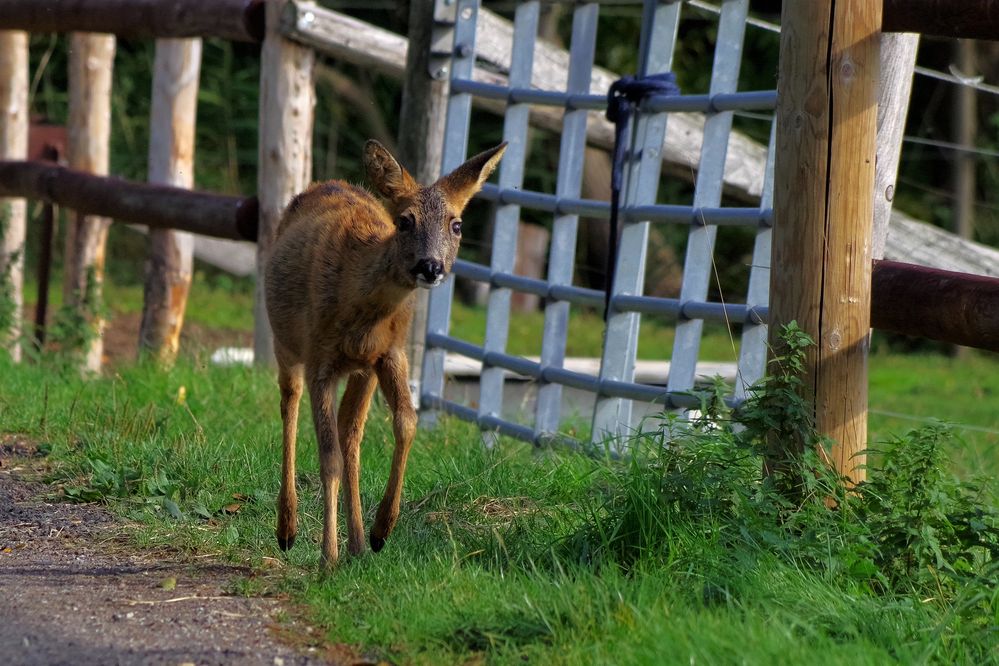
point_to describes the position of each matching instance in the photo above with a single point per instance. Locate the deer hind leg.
(290, 382)
(350, 425)
(322, 391)
(393, 372)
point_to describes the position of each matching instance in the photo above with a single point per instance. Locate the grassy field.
(505, 555)
(514, 555)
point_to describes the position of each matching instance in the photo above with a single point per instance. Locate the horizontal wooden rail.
(242, 20)
(958, 308)
(236, 20)
(136, 203)
(970, 19)
(951, 307)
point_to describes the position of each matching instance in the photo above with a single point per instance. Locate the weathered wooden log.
(920, 243)
(365, 45)
(170, 264)
(898, 60)
(824, 206)
(137, 203)
(13, 145)
(971, 19)
(287, 101)
(91, 62)
(237, 20)
(964, 132)
(938, 305)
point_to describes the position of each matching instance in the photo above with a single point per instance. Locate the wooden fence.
(291, 31)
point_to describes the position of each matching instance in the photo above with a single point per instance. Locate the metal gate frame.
(614, 387)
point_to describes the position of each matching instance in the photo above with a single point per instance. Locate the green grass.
(229, 305)
(655, 340)
(495, 557)
(909, 390)
(223, 304)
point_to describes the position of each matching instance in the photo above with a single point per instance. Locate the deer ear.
(385, 173)
(461, 184)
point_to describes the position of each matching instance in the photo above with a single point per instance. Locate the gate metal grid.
(614, 386)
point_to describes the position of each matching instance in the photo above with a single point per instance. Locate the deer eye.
(405, 222)
(456, 226)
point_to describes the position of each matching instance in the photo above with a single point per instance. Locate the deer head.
(427, 219)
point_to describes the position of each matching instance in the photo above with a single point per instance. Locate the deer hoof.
(377, 543)
(285, 543)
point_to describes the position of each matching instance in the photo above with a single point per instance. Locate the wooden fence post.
(13, 146)
(421, 145)
(90, 68)
(824, 187)
(287, 101)
(898, 60)
(965, 133)
(171, 162)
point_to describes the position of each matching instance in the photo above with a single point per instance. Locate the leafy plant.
(909, 527)
(107, 481)
(924, 523)
(74, 327)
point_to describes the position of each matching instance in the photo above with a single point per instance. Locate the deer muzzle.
(428, 273)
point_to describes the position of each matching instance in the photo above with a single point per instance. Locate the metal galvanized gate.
(614, 386)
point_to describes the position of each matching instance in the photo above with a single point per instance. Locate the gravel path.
(72, 592)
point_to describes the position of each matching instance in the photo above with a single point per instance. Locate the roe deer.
(339, 291)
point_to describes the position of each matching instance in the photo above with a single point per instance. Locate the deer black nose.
(429, 269)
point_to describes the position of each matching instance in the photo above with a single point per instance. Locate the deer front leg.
(393, 372)
(290, 382)
(322, 390)
(350, 422)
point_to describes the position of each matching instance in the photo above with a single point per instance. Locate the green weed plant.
(911, 527)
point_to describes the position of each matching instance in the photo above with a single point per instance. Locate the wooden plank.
(138, 203)
(90, 67)
(238, 20)
(170, 265)
(914, 242)
(284, 168)
(826, 147)
(13, 145)
(365, 45)
(965, 132)
(898, 60)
